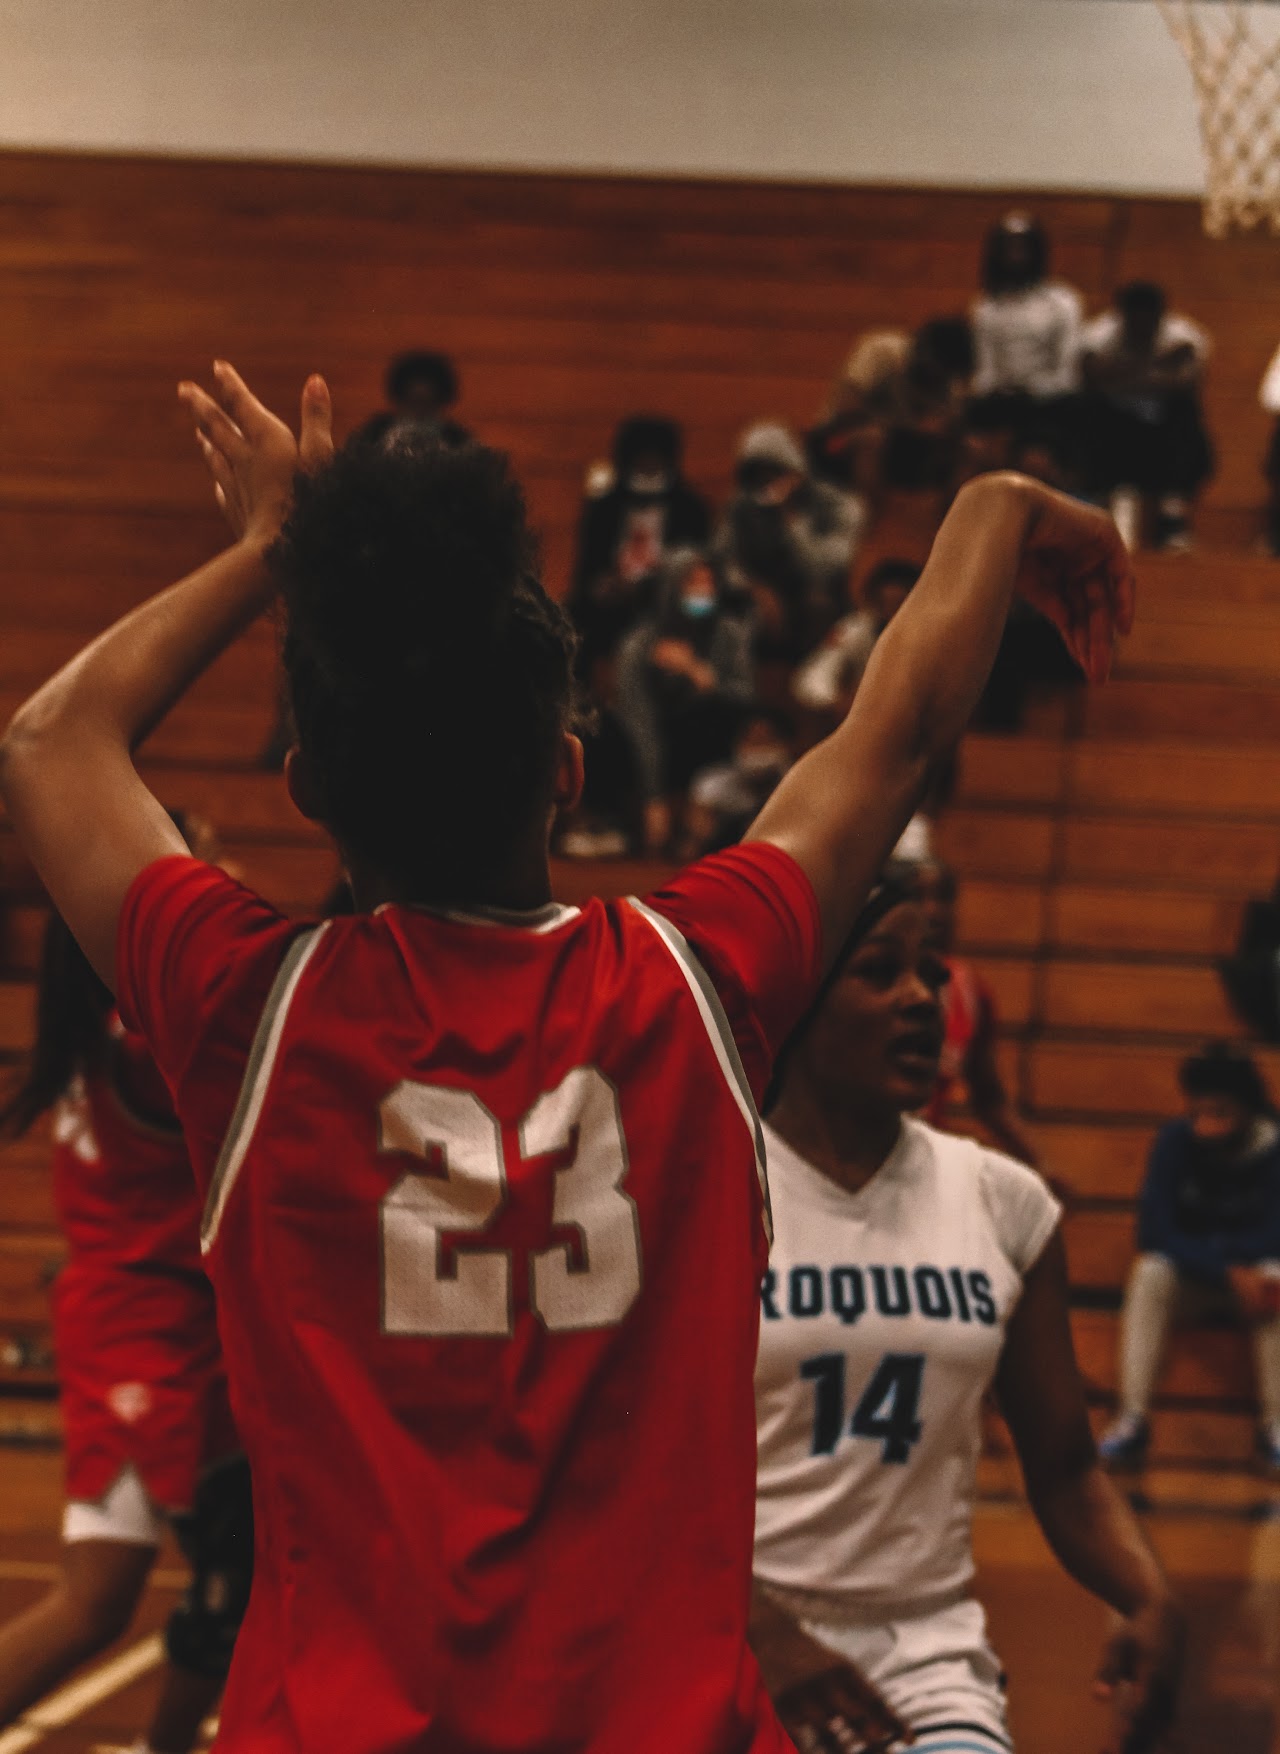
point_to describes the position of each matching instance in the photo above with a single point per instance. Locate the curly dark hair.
(430, 676)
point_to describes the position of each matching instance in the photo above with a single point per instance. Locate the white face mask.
(651, 482)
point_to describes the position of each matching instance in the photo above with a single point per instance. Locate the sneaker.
(1125, 1440)
(1126, 510)
(1269, 1446)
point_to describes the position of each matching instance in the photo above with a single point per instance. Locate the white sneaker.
(1126, 510)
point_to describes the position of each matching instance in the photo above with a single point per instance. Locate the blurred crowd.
(720, 641)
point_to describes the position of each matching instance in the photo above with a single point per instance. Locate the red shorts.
(140, 1369)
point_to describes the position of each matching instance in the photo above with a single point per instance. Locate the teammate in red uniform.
(486, 1209)
(148, 1437)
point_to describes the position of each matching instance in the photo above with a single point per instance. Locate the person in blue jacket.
(1208, 1239)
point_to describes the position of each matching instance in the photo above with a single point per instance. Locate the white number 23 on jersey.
(457, 1134)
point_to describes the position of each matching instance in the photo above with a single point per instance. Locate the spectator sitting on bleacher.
(635, 511)
(895, 413)
(828, 679)
(684, 676)
(1143, 366)
(421, 388)
(785, 544)
(1026, 339)
(725, 799)
(1208, 1239)
(869, 396)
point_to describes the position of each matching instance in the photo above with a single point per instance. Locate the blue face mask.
(698, 608)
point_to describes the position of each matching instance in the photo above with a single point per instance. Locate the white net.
(1233, 50)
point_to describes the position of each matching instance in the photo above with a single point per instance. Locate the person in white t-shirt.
(910, 1270)
(1026, 344)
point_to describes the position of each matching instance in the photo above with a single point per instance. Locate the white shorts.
(936, 1670)
(125, 1512)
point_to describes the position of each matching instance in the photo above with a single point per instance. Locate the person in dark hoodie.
(684, 679)
(785, 544)
(1208, 1239)
(640, 510)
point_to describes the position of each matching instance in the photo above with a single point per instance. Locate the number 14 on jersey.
(889, 1410)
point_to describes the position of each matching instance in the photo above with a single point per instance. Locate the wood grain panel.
(1135, 999)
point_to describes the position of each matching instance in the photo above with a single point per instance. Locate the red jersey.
(487, 1227)
(135, 1330)
(122, 1183)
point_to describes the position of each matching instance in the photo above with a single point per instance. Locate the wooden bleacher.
(1104, 855)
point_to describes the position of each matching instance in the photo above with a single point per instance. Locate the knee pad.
(217, 1537)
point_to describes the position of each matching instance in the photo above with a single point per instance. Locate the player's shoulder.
(1017, 1202)
(951, 1157)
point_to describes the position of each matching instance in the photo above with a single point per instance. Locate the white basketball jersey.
(883, 1318)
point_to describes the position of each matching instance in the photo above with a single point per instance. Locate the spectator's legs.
(1115, 446)
(1182, 461)
(1150, 1303)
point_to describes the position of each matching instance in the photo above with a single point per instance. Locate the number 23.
(455, 1129)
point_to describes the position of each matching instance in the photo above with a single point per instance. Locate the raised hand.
(251, 454)
(1076, 570)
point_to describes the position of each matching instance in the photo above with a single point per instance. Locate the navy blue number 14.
(888, 1412)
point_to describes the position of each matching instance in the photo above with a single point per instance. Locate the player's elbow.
(31, 741)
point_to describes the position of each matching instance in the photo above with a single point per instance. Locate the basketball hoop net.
(1234, 59)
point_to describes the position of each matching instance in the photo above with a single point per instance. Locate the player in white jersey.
(910, 1270)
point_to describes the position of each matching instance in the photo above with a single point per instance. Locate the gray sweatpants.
(1156, 1297)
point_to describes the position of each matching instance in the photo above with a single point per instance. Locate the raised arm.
(840, 810)
(67, 776)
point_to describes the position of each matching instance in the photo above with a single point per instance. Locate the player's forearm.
(1098, 1539)
(122, 685)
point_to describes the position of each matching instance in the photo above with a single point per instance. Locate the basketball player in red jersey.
(485, 1199)
(147, 1433)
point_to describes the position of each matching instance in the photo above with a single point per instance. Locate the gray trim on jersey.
(726, 1049)
(257, 1075)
